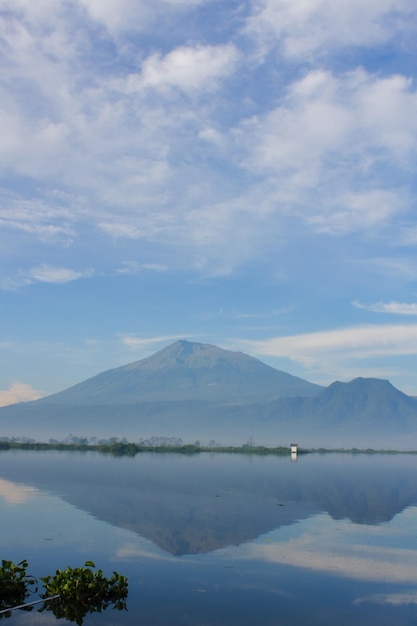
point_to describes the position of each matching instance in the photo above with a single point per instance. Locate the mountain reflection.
(190, 505)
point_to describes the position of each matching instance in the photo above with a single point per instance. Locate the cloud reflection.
(394, 599)
(339, 550)
(16, 494)
(40, 619)
(134, 551)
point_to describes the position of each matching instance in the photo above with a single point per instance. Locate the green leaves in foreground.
(69, 594)
(14, 584)
(83, 591)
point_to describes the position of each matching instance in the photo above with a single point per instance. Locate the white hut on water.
(294, 451)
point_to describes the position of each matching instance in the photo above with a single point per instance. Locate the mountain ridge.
(186, 370)
(198, 391)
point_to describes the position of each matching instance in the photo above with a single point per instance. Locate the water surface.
(216, 539)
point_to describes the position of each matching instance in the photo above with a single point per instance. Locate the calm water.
(222, 539)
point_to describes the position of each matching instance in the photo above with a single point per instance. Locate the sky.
(238, 173)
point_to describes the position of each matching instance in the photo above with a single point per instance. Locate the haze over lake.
(222, 539)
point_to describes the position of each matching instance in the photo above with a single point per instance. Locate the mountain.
(364, 402)
(193, 507)
(366, 412)
(198, 391)
(186, 371)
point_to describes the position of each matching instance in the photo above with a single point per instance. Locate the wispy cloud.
(240, 315)
(356, 342)
(215, 141)
(132, 267)
(131, 142)
(118, 16)
(395, 599)
(47, 219)
(140, 343)
(58, 275)
(314, 29)
(395, 308)
(321, 138)
(44, 274)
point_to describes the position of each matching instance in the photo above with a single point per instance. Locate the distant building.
(294, 451)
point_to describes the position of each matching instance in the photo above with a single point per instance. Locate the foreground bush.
(71, 593)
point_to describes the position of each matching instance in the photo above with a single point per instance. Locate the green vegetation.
(124, 448)
(359, 451)
(121, 447)
(14, 585)
(70, 593)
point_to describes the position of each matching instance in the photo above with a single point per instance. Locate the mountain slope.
(365, 410)
(184, 371)
(197, 391)
(365, 401)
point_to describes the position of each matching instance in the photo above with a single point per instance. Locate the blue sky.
(240, 173)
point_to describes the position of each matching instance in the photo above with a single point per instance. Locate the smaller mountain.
(366, 412)
(367, 403)
(186, 371)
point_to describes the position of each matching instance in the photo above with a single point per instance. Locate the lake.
(221, 539)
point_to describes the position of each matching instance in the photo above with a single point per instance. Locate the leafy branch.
(71, 593)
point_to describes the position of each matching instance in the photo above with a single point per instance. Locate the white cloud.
(357, 106)
(43, 274)
(358, 342)
(327, 145)
(189, 69)
(398, 267)
(363, 210)
(396, 308)
(138, 160)
(19, 392)
(240, 315)
(58, 275)
(141, 343)
(132, 15)
(132, 267)
(48, 220)
(310, 28)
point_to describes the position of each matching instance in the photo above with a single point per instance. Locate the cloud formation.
(316, 28)
(103, 134)
(269, 146)
(189, 69)
(139, 344)
(394, 308)
(19, 392)
(44, 274)
(357, 342)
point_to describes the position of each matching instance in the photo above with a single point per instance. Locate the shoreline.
(122, 448)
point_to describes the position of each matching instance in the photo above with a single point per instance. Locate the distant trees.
(121, 447)
(162, 441)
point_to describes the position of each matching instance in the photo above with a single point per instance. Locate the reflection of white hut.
(294, 451)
